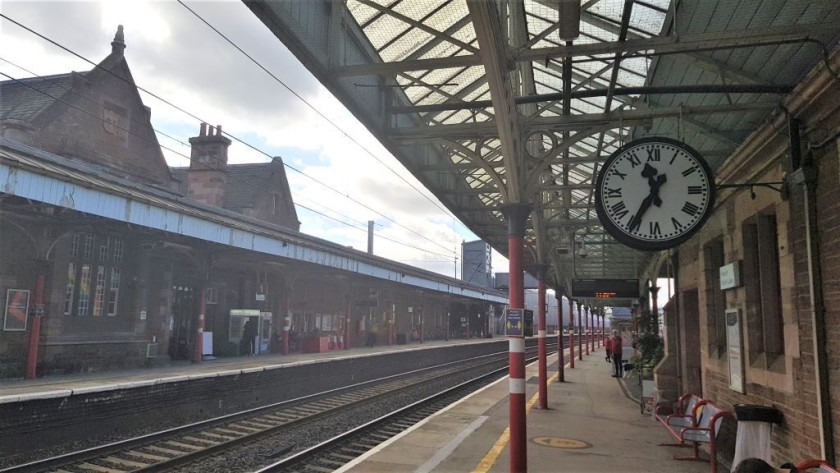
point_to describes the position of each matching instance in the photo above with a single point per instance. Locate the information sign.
(514, 322)
(17, 307)
(734, 350)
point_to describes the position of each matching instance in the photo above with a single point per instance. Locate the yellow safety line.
(490, 458)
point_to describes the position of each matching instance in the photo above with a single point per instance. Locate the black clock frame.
(646, 245)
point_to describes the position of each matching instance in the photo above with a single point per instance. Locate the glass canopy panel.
(361, 12)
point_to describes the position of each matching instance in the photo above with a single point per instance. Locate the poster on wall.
(734, 350)
(17, 306)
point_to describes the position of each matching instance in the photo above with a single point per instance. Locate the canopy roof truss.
(487, 105)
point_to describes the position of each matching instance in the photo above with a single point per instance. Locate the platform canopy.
(490, 103)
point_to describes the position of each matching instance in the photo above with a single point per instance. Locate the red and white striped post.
(592, 325)
(541, 348)
(571, 334)
(586, 314)
(561, 375)
(517, 214)
(580, 336)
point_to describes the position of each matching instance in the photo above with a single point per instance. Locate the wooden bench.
(706, 431)
(679, 416)
(821, 465)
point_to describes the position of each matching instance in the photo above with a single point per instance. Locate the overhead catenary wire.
(315, 109)
(24, 83)
(195, 117)
(160, 132)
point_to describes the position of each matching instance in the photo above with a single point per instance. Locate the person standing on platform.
(615, 346)
(249, 335)
(608, 347)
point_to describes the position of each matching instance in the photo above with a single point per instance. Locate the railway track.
(176, 447)
(342, 449)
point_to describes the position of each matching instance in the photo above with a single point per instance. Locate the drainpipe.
(805, 175)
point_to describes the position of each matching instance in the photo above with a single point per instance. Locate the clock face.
(654, 193)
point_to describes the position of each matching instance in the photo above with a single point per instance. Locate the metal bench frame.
(682, 415)
(706, 431)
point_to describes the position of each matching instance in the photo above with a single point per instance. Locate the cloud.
(176, 56)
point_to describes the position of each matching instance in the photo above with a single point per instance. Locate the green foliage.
(651, 346)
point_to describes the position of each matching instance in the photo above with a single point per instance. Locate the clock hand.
(654, 188)
(655, 182)
(636, 221)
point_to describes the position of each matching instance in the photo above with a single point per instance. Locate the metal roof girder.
(493, 52)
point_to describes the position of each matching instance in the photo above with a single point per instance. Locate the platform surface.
(594, 424)
(17, 390)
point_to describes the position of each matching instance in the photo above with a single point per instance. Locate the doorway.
(184, 315)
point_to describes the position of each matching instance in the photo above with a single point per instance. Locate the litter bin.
(753, 437)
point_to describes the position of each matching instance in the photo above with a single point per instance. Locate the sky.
(333, 164)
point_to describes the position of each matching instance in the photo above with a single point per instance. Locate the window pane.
(715, 302)
(74, 246)
(103, 251)
(771, 304)
(99, 297)
(114, 293)
(71, 288)
(84, 290)
(118, 250)
(89, 241)
(752, 290)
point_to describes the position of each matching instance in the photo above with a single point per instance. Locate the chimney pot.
(219, 130)
(203, 131)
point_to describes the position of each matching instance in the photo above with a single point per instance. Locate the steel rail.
(388, 425)
(107, 450)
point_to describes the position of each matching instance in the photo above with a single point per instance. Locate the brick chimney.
(207, 175)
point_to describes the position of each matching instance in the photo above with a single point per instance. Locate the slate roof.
(26, 99)
(244, 182)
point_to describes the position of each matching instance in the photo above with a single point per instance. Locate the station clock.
(654, 193)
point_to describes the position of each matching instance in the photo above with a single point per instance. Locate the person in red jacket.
(608, 347)
(615, 347)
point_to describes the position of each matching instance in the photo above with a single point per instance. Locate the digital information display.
(606, 288)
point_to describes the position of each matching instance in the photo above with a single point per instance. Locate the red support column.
(601, 335)
(541, 348)
(561, 375)
(586, 329)
(518, 434)
(199, 330)
(571, 334)
(35, 329)
(517, 214)
(580, 335)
